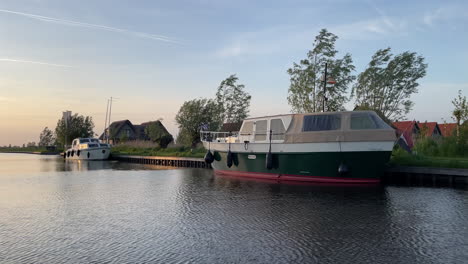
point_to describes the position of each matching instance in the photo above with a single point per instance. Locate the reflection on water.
(58, 211)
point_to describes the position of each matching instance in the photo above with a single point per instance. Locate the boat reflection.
(89, 165)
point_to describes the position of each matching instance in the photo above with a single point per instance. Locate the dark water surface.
(53, 211)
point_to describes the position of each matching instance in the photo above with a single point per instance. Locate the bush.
(426, 146)
(451, 146)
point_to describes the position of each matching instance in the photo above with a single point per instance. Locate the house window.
(321, 122)
(260, 130)
(277, 127)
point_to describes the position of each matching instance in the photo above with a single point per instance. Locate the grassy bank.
(402, 158)
(41, 150)
(156, 151)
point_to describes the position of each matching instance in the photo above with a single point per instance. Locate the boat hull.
(336, 167)
(88, 154)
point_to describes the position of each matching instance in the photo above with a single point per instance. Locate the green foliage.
(182, 151)
(233, 99)
(78, 126)
(194, 115)
(305, 92)
(165, 140)
(157, 133)
(444, 152)
(456, 145)
(387, 83)
(426, 146)
(452, 146)
(460, 112)
(46, 138)
(403, 158)
(35, 149)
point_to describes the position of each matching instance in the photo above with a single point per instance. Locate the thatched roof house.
(125, 130)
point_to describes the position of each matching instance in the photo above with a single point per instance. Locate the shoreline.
(31, 152)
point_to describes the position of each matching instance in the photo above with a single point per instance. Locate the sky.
(58, 55)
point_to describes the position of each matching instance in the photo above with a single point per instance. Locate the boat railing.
(232, 137)
(210, 136)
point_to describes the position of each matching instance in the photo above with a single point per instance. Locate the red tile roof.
(428, 128)
(405, 129)
(447, 129)
(403, 126)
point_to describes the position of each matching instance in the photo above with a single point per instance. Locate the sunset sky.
(58, 55)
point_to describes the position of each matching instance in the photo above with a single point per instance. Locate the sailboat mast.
(105, 122)
(110, 112)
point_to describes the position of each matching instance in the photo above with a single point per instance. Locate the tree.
(46, 138)
(305, 92)
(460, 113)
(388, 82)
(78, 126)
(156, 132)
(195, 115)
(234, 100)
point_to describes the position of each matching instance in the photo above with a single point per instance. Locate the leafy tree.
(460, 113)
(46, 138)
(156, 132)
(78, 126)
(306, 87)
(195, 115)
(388, 82)
(233, 99)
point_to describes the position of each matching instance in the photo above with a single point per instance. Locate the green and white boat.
(337, 147)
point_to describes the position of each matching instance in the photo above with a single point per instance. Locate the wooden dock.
(425, 176)
(164, 161)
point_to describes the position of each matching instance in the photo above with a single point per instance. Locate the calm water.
(53, 211)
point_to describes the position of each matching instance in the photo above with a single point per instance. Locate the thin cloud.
(92, 26)
(36, 62)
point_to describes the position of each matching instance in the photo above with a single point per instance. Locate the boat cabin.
(80, 143)
(315, 127)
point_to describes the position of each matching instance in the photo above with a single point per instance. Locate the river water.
(56, 211)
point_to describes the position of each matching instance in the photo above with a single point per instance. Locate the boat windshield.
(84, 140)
(367, 121)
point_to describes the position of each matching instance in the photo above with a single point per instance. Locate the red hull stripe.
(292, 177)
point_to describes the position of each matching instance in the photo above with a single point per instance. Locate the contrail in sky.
(93, 26)
(37, 62)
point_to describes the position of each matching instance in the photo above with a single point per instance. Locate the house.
(430, 129)
(124, 130)
(409, 130)
(120, 130)
(448, 129)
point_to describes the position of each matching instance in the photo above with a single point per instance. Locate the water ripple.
(104, 213)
